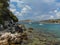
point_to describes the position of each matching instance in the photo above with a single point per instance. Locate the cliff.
(5, 13)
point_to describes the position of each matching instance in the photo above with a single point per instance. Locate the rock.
(19, 29)
(24, 36)
(4, 42)
(30, 30)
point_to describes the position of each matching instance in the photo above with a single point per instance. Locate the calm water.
(52, 28)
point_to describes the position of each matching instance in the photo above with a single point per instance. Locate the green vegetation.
(51, 21)
(5, 13)
(13, 17)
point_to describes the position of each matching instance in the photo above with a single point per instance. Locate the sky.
(35, 9)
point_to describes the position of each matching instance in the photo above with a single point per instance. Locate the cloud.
(17, 13)
(55, 11)
(12, 6)
(20, 5)
(51, 17)
(14, 0)
(26, 9)
(41, 9)
(49, 1)
(44, 17)
(39, 1)
(58, 14)
(58, 4)
(12, 9)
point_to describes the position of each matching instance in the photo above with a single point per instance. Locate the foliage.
(12, 16)
(5, 13)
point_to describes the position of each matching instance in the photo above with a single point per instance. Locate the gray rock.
(1, 27)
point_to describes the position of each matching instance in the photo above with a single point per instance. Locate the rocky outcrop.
(9, 38)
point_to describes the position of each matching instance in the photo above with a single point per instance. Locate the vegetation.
(5, 13)
(13, 17)
(51, 21)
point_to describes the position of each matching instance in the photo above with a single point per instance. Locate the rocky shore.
(27, 37)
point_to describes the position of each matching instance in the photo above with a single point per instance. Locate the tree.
(5, 13)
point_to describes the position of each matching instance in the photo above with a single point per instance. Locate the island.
(54, 21)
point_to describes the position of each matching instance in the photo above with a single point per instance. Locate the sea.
(47, 28)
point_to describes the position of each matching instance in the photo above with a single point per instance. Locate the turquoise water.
(51, 28)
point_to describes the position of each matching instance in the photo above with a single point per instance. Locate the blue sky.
(36, 9)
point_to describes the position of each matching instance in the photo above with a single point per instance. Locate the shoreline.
(30, 37)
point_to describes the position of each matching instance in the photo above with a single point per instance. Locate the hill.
(25, 21)
(51, 21)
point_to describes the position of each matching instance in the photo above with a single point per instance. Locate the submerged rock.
(30, 30)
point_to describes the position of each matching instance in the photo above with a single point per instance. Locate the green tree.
(5, 13)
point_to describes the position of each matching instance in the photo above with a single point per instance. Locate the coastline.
(32, 38)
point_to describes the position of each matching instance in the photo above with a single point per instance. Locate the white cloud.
(20, 4)
(51, 17)
(58, 14)
(55, 11)
(12, 9)
(36, 13)
(17, 13)
(12, 6)
(48, 1)
(41, 17)
(58, 4)
(50, 12)
(44, 17)
(14, 0)
(26, 9)
(17, 1)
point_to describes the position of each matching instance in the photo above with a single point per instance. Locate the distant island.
(43, 21)
(25, 21)
(50, 21)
